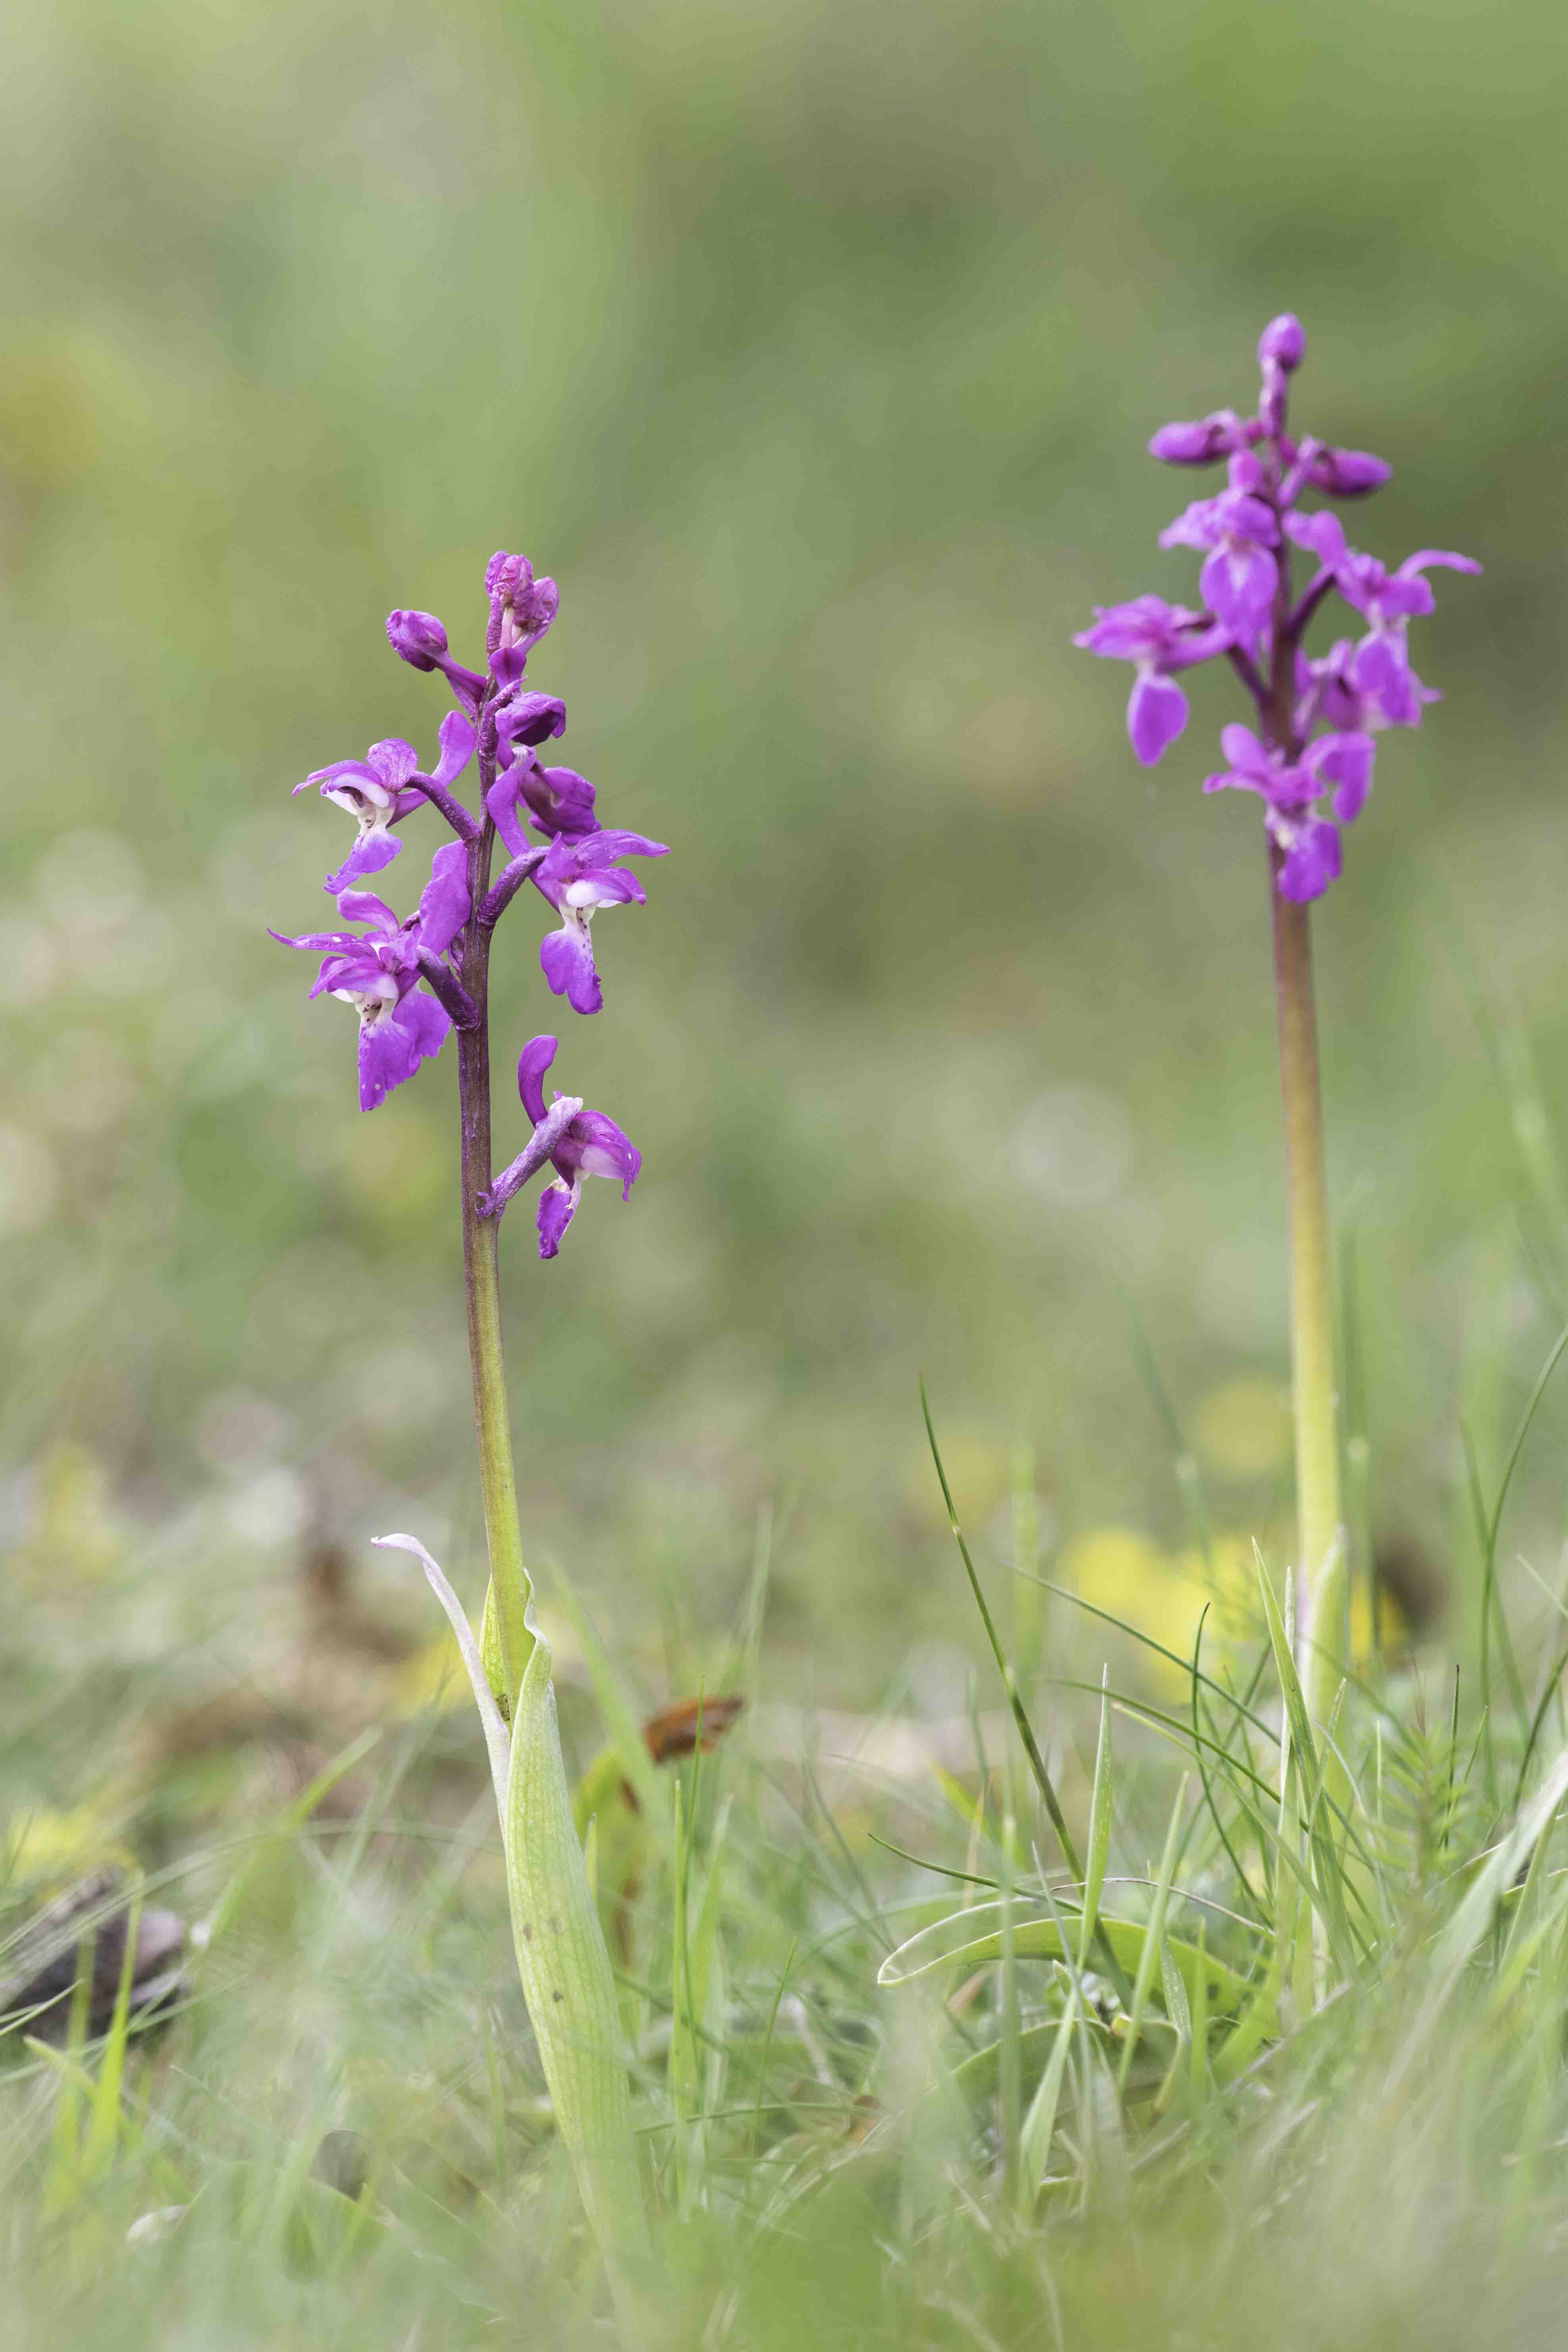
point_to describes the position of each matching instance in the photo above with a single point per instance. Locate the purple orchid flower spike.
(378, 973)
(410, 982)
(385, 786)
(1317, 717)
(1157, 638)
(578, 876)
(575, 1141)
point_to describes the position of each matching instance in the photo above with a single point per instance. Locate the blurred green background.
(813, 349)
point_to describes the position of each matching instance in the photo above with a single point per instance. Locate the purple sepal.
(445, 903)
(529, 717)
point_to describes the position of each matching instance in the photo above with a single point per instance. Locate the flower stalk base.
(1322, 1578)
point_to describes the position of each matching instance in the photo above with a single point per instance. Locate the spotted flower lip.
(578, 876)
(385, 786)
(378, 973)
(575, 1141)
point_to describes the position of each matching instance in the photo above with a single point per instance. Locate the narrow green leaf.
(565, 1967)
(932, 1948)
(1098, 1823)
(1153, 1933)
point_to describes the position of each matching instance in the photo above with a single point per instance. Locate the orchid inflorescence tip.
(1309, 759)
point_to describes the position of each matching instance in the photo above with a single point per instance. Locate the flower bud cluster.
(1311, 781)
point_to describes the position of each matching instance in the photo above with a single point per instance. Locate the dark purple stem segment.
(463, 824)
(508, 883)
(450, 989)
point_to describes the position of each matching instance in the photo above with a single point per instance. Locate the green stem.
(1318, 1515)
(498, 1485)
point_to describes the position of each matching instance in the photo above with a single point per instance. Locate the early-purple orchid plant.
(411, 981)
(1308, 755)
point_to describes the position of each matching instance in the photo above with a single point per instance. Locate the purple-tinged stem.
(1321, 1577)
(506, 885)
(497, 1483)
(450, 990)
(464, 825)
(1301, 613)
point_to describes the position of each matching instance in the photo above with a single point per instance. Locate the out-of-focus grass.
(813, 350)
(342, 2138)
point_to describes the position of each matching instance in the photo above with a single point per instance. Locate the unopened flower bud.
(1202, 442)
(1282, 343)
(1349, 473)
(418, 638)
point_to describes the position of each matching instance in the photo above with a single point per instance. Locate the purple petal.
(1200, 442)
(1381, 673)
(1238, 583)
(1427, 556)
(445, 903)
(531, 1063)
(392, 763)
(608, 843)
(600, 1148)
(391, 1049)
(1244, 749)
(319, 942)
(567, 960)
(1349, 473)
(531, 717)
(417, 638)
(560, 801)
(358, 769)
(1312, 861)
(365, 906)
(1156, 714)
(456, 741)
(1137, 631)
(502, 802)
(1322, 534)
(1345, 762)
(370, 852)
(557, 1206)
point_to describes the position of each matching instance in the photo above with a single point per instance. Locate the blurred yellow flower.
(1243, 1429)
(47, 1841)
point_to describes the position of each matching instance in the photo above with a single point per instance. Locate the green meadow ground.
(813, 349)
